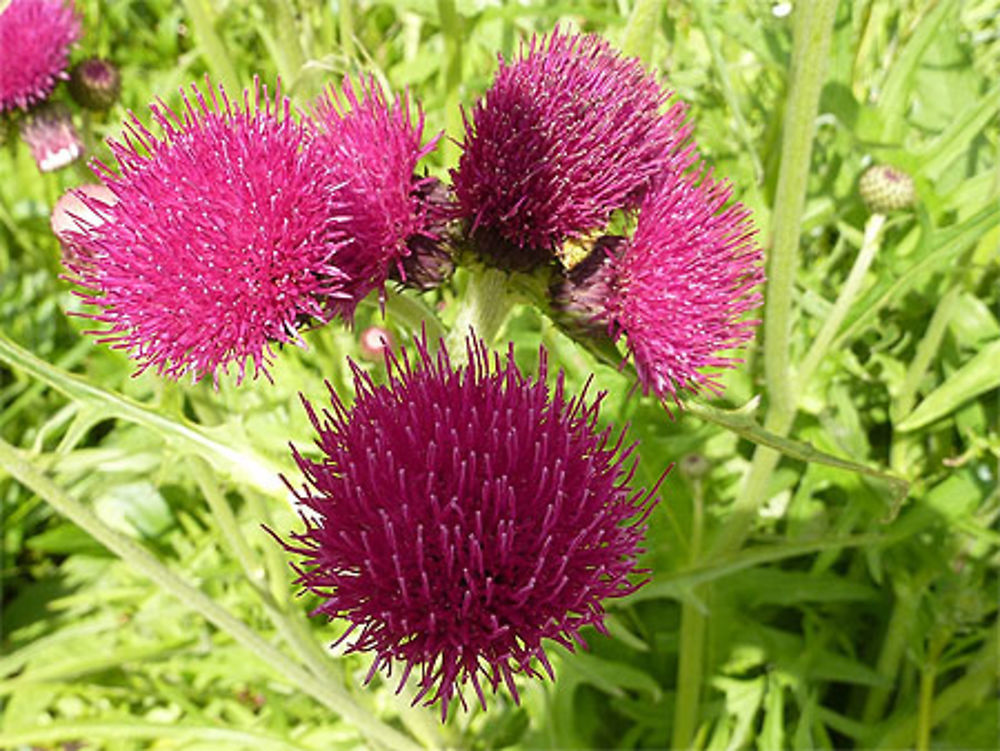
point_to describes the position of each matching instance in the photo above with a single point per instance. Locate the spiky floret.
(684, 283)
(220, 239)
(35, 37)
(458, 516)
(567, 133)
(373, 146)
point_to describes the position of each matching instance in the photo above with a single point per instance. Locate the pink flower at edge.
(35, 37)
(220, 239)
(458, 517)
(373, 146)
(568, 132)
(683, 284)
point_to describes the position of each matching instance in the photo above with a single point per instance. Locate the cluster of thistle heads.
(457, 516)
(36, 37)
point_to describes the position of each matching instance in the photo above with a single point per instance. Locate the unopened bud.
(429, 263)
(579, 297)
(885, 189)
(95, 84)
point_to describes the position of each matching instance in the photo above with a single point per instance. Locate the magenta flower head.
(35, 37)
(220, 239)
(679, 289)
(459, 516)
(568, 133)
(373, 147)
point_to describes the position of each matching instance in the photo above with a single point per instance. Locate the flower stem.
(848, 293)
(692, 639)
(901, 624)
(483, 309)
(329, 694)
(813, 31)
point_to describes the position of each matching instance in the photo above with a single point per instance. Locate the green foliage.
(852, 618)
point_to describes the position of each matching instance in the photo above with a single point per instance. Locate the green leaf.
(610, 676)
(745, 426)
(977, 376)
(936, 252)
(940, 153)
(770, 586)
(898, 86)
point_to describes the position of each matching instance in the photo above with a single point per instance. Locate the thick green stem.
(483, 308)
(901, 624)
(329, 694)
(813, 31)
(691, 648)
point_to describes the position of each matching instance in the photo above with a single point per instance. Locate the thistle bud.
(95, 84)
(579, 297)
(429, 263)
(885, 189)
(52, 137)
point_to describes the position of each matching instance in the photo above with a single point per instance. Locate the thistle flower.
(374, 148)
(95, 84)
(35, 37)
(459, 516)
(683, 284)
(568, 133)
(51, 137)
(221, 238)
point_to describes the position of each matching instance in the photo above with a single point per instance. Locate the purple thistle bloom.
(684, 282)
(567, 134)
(35, 37)
(459, 516)
(220, 239)
(374, 147)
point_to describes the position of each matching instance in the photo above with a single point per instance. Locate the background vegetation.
(792, 603)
